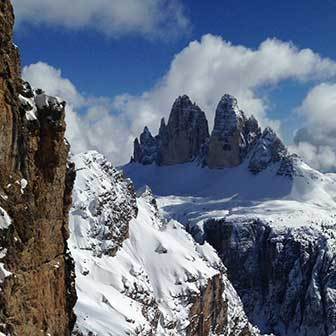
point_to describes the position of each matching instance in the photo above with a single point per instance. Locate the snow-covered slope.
(159, 281)
(276, 234)
(191, 193)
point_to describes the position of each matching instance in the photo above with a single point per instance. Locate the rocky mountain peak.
(233, 135)
(269, 149)
(183, 100)
(178, 141)
(186, 131)
(228, 116)
(234, 139)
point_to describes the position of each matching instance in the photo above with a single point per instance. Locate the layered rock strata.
(37, 290)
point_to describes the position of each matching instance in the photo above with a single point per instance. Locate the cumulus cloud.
(316, 142)
(204, 70)
(91, 123)
(208, 68)
(114, 18)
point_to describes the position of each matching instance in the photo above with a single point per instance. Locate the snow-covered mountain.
(270, 217)
(158, 281)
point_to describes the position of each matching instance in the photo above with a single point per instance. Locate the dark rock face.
(146, 150)
(179, 141)
(186, 131)
(209, 313)
(35, 187)
(233, 135)
(9, 81)
(286, 278)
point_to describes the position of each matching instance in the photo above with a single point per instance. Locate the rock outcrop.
(147, 150)
(285, 277)
(37, 290)
(269, 149)
(179, 141)
(187, 130)
(211, 312)
(233, 135)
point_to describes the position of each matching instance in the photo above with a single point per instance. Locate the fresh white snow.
(191, 194)
(5, 222)
(152, 274)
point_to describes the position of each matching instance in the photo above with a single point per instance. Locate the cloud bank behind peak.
(205, 70)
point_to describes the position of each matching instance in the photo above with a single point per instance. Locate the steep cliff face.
(159, 281)
(187, 130)
(35, 187)
(9, 81)
(292, 267)
(233, 135)
(179, 141)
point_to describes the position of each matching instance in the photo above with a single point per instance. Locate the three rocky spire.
(186, 138)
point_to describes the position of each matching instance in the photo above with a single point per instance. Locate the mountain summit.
(233, 135)
(233, 139)
(179, 141)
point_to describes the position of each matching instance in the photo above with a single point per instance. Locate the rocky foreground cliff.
(36, 272)
(269, 216)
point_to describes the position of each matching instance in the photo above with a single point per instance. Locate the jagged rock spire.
(228, 116)
(179, 140)
(232, 136)
(186, 131)
(146, 150)
(269, 149)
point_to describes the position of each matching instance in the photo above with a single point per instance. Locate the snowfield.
(191, 194)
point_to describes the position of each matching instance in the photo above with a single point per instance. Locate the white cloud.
(204, 70)
(90, 122)
(321, 157)
(150, 18)
(316, 143)
(207, 69)
(44, 76)
(319, 106)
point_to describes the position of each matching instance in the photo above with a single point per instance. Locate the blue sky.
(133, 64)
(111, 61)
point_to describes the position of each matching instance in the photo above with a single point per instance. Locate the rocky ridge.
(159, 281)
(234, 139)
(37, 278)
(286, 277)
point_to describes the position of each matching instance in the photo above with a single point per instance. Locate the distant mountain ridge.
(234, 138)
